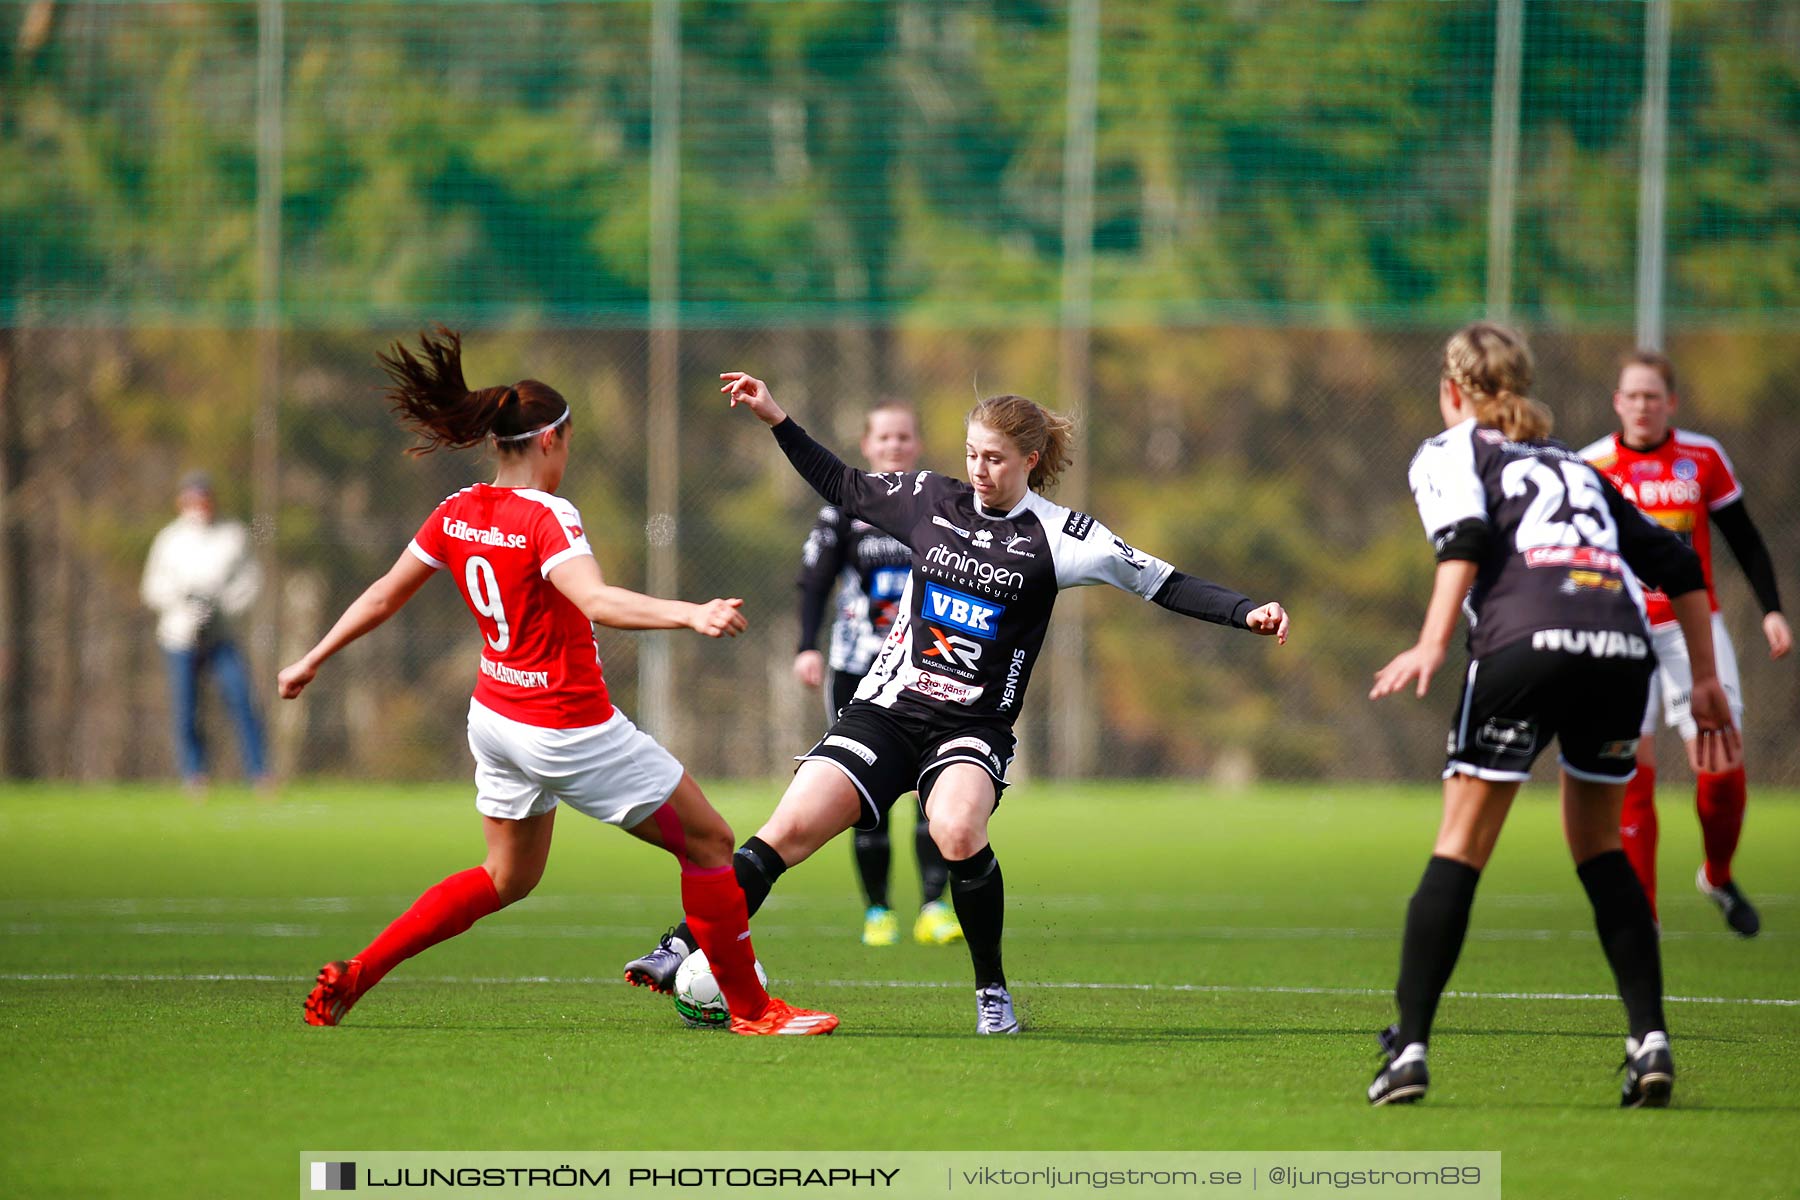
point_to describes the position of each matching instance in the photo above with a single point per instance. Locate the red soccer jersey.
(1677, 484)
(540, 663)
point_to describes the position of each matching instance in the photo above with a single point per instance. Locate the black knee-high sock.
(872, 857)
(980, 897)
(757, 867)
(1628, 934)
(934, 873)
(1436, 920)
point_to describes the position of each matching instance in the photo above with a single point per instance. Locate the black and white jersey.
(977, 603)
(1558, 549)
(869, 569)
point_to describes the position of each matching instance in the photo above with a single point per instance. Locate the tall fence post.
(15, 563)
(1653, 160)
(662, 427)
(1071, 696)
(1503, 161)
(265, 452)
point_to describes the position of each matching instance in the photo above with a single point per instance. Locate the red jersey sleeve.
(428, 544)
(556, 532)
(1722, 486)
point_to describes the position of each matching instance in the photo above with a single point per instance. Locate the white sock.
(1414, 1052)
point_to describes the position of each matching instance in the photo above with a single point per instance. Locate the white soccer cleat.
(994, 1010)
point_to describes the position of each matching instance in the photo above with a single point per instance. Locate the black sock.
(1436, 920)
(934, 873)
(1628, 934)
(872, 857)
(980, 897)
(757, 867)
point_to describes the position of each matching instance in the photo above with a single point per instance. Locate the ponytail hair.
(1034, 429)
(1491, 365)
(429, 396)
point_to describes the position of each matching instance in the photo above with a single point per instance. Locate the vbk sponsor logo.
(1077, 526)
(953, 648)
(462, 531)
(1596, 643)
(887, 583)
(983, 539)
(966, 743)
(1010, 693)
(980, 618)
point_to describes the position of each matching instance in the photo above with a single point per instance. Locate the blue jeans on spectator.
(233, 677)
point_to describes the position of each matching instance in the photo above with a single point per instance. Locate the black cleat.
(656, 970)
(1649, 1073)
(1401, 1080)
(1740, 914)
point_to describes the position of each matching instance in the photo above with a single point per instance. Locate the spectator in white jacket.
(200, 579)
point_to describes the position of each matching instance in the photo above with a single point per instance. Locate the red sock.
(717, 914)
(1720, 801)
(445, 910)
(1637, 828)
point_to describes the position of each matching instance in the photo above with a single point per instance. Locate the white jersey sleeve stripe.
(562, 556)
(423, 557)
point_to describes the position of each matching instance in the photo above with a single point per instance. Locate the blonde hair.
(1034, 429)
(893, 406)
(1491, 365)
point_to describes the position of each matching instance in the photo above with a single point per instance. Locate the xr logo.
(953, 648)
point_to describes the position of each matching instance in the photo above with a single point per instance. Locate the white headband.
(519, 437)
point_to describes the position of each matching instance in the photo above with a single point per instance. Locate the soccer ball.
(698, 1000)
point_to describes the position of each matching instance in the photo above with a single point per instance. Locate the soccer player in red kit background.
(541, 727)
(1685, 482)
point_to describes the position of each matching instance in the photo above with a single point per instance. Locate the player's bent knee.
(712, 846)
(957, 840)
(513, 886)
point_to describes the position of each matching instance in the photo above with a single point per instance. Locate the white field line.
(57, 926)
(1064, 985)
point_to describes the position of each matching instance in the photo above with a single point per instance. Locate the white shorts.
(613, 772)
(1674, 679)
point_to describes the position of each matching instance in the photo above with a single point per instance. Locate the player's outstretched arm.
(379, 601)
(580, 580)
(889, 502)
(1421, 661)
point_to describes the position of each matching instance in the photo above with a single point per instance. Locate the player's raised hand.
(294, 678)
(1718, 747)
(1271, 618)
(753, 393)
(1419, 662)
(719, 618)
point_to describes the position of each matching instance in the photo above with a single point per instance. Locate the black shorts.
(1519, 697)
(888, 754)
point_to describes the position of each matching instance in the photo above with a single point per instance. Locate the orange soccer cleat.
(782, 1017)
(338, 988)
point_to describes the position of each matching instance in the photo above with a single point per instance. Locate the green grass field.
(1197, 970)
